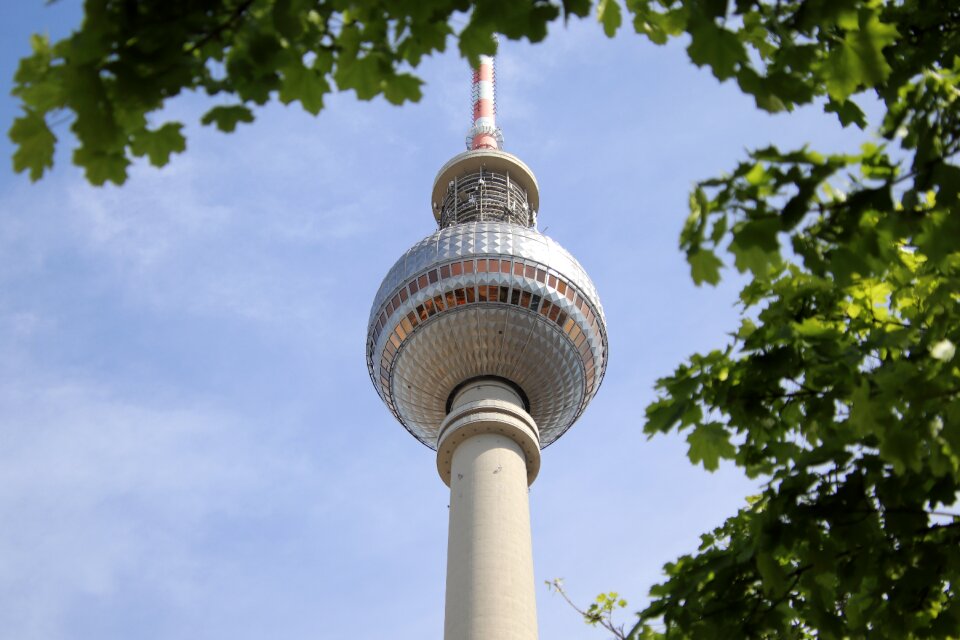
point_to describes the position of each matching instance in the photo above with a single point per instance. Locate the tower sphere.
(486, 295)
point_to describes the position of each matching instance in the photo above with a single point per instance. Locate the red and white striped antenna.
(484, 134)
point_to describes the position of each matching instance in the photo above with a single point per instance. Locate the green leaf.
(713, 9)
(758, 233)
(858, 59)
(946, 176)
(579, 8)
(608, 13)
(755, 245)
(35, 143)
(226, 118)
(815, 328)
(402, 87)
(659, 27)
(847, 112)
(757, 175)
(862, 415)
(475, 40)
(102, 166)
(363, 75)
(662, 415)
(306, 85)
(715, 47)
(708, 443)
(159, 144)
(704, 266)
(774, 579)
(797, 206)
(287, 18)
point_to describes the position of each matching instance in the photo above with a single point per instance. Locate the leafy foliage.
(114, 75)
(841, 387)
(600, 612)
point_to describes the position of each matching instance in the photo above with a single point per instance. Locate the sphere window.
(446, 300)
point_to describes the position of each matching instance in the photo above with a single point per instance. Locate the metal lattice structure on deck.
(485, 196)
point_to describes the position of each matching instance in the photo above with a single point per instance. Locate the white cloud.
(93, 488)
(102, 496)
(186, 239)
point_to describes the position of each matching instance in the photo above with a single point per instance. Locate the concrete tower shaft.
(489, 454)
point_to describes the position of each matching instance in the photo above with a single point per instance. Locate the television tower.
(487, 341)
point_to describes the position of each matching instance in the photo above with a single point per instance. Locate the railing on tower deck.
(485, 196)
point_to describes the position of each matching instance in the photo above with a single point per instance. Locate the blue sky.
(190, 446)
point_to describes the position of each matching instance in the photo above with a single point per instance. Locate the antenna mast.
(484, 134)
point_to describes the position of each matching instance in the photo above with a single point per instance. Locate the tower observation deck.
(487, 341)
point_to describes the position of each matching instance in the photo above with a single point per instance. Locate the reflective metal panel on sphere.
(486, 299)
